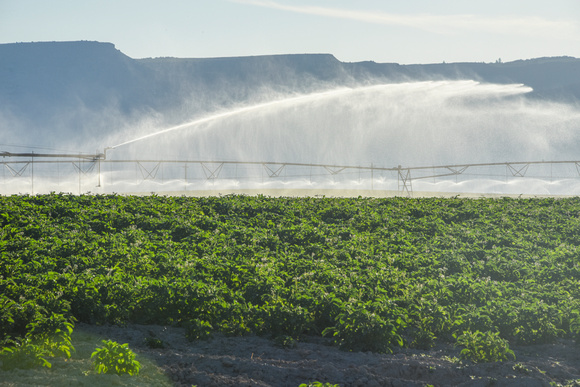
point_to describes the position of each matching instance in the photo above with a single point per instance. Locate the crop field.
(371, 274)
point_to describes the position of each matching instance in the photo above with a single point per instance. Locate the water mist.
(409, 124)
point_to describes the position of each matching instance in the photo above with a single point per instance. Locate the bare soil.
(258, 361)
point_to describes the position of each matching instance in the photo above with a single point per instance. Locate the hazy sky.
(409, 31)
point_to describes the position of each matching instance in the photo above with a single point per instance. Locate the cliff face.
(59, 87)
(40, 78)
(551, 78)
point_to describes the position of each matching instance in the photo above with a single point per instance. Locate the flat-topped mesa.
(85, 92)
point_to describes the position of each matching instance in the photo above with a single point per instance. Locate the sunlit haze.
(417, 31)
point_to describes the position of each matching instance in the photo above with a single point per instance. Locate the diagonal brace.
(149, 174)
(334, 170)
(521, 172)
(17, 172)
(405, 181)
(457, 171)
(211, 173)
(79, 167)
(274, 172)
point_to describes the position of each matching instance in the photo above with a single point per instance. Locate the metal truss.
(273, 170)
(85, 165)
(149, 174)
(17, 172)
(404, 181)
(519, 170)
(334, 170)
(86, 170)
(212, 172)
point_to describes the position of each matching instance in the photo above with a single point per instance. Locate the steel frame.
(212, 169)
(273, 171)
(148, 174)
(14, 172)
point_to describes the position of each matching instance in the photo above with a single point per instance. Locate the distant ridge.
(57, 85)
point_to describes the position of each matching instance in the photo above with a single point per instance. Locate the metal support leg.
(405, 182)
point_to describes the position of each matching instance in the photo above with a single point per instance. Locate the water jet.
(438, 131)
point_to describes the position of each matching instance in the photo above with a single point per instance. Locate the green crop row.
(372, 273)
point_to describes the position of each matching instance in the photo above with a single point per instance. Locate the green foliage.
(367, 327)
(198, 330)
(485, 347)
(423, 339)
(15, 317)
(285, 341)
(115, 358)
(153, 342)
(428, 321)
(54, 334)
(519, 367)
(46, 337)
(24, 355)
(575, 326)
(283, 319)
(318, 384)
(372, 273)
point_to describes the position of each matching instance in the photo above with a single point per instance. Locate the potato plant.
(481, 347)
(373, 274)
(114, 358)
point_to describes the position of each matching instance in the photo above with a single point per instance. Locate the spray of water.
(473, 88)
(409, 124)
(237, 111)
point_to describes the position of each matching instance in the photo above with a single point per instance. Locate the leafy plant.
(575, 326)
(283, 319)
(485, 347)
(422, 333)
(53, 334)
(318, 384)
(360, 328)
(115, 358)
(423, 339)
(153, 342)
(285, 341)
(519, 367)
(366, 271)
(46, 337)
(198, 330)
(24, 355)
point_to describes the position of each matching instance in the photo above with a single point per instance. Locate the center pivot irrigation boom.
(18, 163)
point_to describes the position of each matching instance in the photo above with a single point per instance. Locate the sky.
(406, 32)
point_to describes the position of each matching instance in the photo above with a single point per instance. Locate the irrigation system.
(90, 170)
